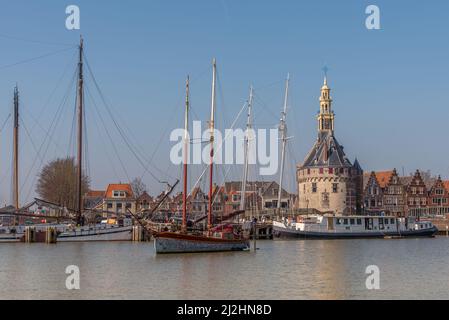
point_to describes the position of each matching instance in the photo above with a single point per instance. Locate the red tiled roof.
(383, 177)
(446, 185)
(119, 187)
(95, 193)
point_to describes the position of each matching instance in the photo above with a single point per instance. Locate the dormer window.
(118, 194)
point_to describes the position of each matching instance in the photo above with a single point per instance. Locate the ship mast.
(284, 138)
(186, 156)
(79, 198)
(212, 139)
(16, 149)
(245, 169)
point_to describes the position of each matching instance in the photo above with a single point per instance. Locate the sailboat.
(98, 232)
(220, 238)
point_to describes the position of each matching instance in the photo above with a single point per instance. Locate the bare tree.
(138, 187)
(57, 183)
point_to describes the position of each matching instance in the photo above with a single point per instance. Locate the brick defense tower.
(327, 180)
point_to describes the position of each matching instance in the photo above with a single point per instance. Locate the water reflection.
(410, 269)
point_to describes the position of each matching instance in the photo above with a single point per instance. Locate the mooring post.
(255, 234)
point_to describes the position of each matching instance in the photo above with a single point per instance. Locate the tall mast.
(245, 169)
(186, 156)
(283, 130)
(212, 139)
(16, 149)
(80, 98)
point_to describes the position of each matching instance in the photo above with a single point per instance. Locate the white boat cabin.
(357, 224)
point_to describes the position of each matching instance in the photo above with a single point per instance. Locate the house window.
(118, 194)
(109, 205)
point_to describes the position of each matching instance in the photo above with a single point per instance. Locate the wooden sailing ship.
(220, 238)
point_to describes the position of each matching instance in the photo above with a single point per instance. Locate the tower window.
(335, 187)
(314, 187)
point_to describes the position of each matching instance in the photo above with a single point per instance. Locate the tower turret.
(326, 115)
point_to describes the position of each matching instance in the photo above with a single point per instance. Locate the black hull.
(294, 234)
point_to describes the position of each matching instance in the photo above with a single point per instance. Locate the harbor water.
(409, 269)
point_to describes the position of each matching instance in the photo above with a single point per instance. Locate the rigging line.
(105, 150)
(221, 143)
(71, 146)
(34, 59)
(41, 127)
(4, 123)
(53, 128)
(86, 144)
(220, 91)
(34, 147)
(259, 101)
(107, 133)
(175, 109)
(58, 84)
(218, 188)
(270, 85)
(29, 137)
(34, 41)
(126, 139)
(49, 133)
(123, 136)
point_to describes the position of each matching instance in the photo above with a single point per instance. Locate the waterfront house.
(416, 193)
(373, 195)
(119, 198)
(144, 202)
(395, 195)
(438, 199)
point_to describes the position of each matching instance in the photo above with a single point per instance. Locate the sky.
(389, 86)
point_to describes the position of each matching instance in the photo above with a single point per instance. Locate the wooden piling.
(138, 234)
(50, 235)
(30, 234)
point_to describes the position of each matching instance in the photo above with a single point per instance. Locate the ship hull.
(285, 233)
(10, 238)
(176, 243)
(94, 235)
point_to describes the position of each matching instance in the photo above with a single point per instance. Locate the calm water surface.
(410, 269)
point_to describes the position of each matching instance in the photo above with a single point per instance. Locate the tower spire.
(325, 70)
(326, 115)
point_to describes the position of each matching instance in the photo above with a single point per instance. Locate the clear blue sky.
(390, 87)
